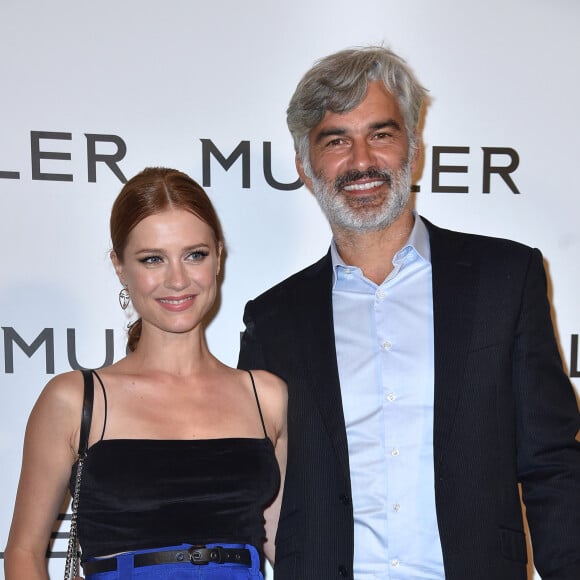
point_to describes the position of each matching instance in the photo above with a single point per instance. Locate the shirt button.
(387, 345)
(344, 499)
(380, 295)
(391, 397)
(395, 563)
(342, 571)
(395, 452)
(397, 507)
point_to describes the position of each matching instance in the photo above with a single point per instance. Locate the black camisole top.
(139, 494)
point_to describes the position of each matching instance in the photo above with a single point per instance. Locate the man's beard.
(363, 213)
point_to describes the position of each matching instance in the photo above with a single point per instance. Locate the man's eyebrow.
(338, 131)
(389, 124)
(330, 132)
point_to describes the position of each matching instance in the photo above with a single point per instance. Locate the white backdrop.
(143, 82)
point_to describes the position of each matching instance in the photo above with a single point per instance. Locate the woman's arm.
(274, 396)
(49, 452)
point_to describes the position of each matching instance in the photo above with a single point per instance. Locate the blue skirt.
(184, 570)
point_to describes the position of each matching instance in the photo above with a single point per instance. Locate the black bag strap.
(87, 414)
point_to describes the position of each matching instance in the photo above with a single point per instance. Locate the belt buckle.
(196, 555)
(199, 553)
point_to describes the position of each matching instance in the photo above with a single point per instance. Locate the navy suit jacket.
(504, 412)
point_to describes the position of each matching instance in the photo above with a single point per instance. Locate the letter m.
(209, 149)
(11, 337)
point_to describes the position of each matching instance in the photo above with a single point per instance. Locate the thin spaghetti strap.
(105, 400)
(258, 403)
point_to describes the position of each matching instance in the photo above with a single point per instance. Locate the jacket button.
(344, 499)
(342, 571)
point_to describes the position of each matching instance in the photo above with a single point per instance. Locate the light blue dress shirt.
(384, 345)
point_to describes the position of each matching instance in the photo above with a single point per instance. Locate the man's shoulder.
(442, 239)
(302, 281)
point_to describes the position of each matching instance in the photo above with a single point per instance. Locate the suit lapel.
(320, 355)
(455, 286)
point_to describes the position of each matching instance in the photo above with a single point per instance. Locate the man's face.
(361, 172)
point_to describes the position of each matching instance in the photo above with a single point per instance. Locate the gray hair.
(339, 82)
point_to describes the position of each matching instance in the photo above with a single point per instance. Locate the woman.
(184, 452)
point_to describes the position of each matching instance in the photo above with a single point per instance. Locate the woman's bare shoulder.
(273, 394)
(270, 381)
(63, 389)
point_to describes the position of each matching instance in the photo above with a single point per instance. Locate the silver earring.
(124, 298)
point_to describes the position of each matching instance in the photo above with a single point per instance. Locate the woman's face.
(170, 265)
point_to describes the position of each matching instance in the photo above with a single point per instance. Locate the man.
(423, 373)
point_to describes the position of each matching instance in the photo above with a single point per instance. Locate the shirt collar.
(418, 240)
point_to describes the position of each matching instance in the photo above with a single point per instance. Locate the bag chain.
(72, 568)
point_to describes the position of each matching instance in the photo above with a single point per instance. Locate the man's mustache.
(354, 175)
